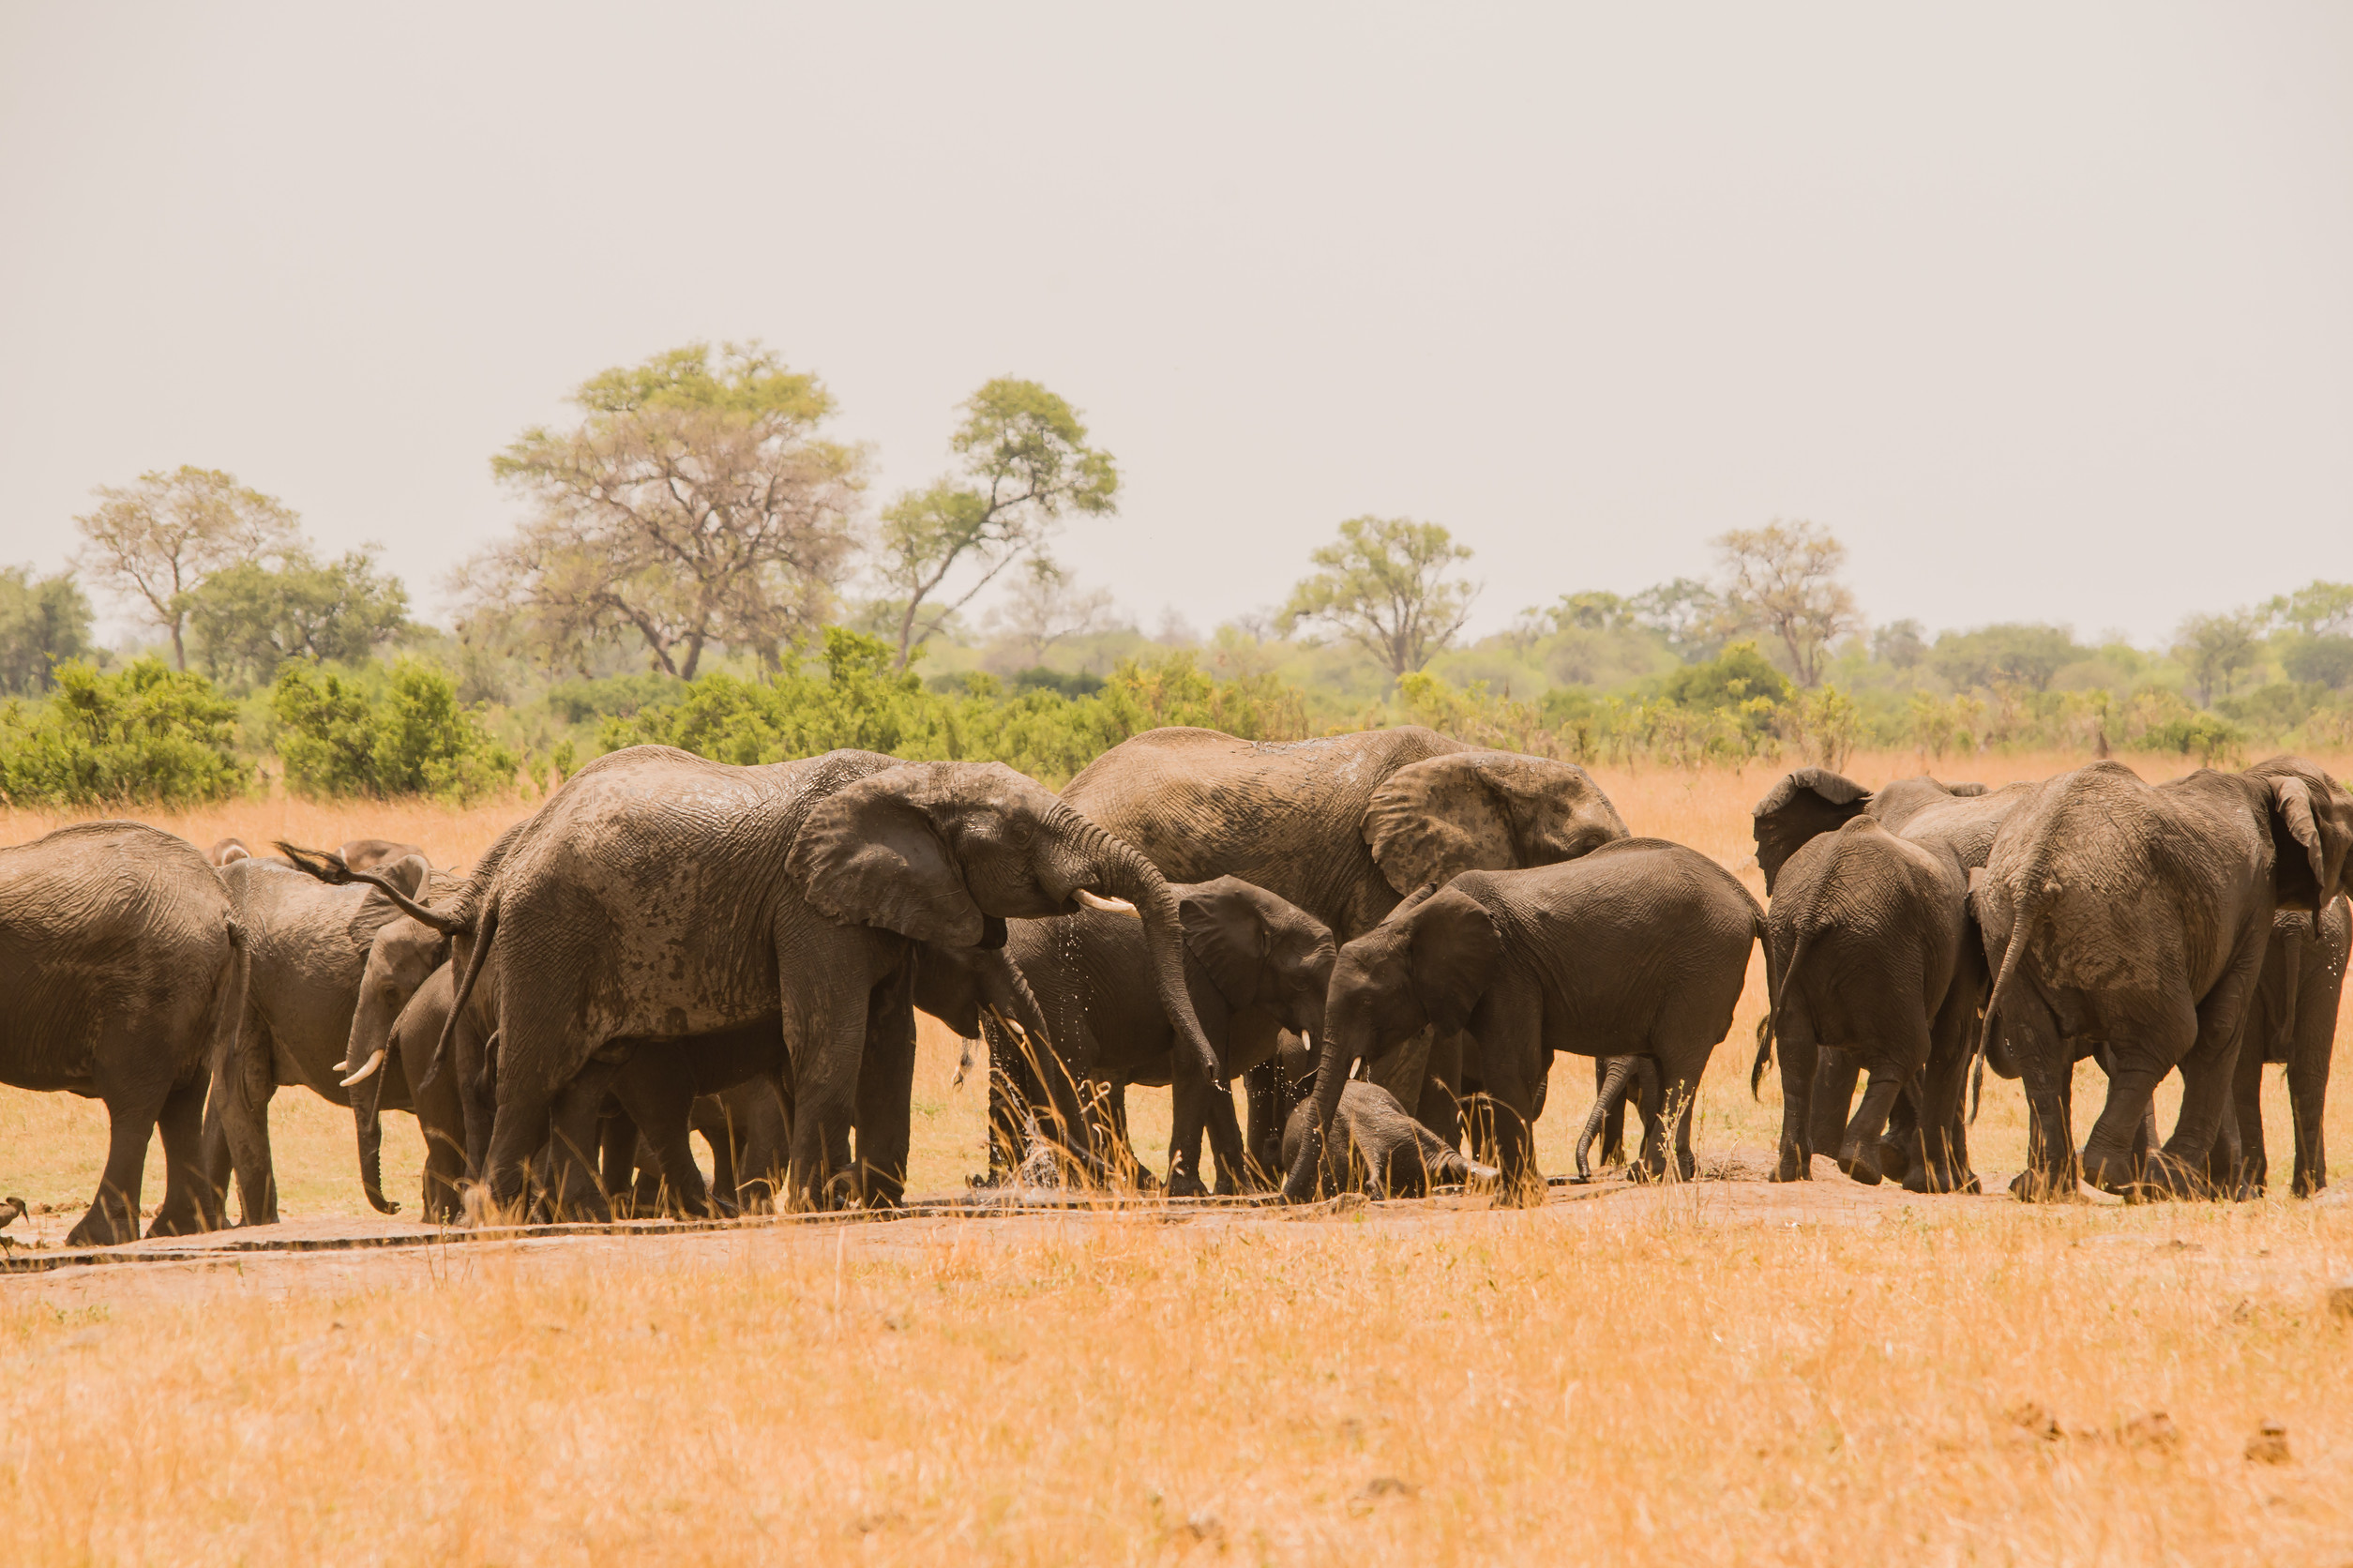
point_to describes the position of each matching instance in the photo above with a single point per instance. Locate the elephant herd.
(1386, 936)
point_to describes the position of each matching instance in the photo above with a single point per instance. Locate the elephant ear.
(409, 873)
(1224, 935)
(1806, 803)
(868, 855)
(1483, 811)
(2300, 866)
(1454, 953)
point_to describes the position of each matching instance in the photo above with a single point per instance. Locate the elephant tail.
(1977, 1079)
(328, 868)
(1769, 1026)
(474, 960)
(2027, 911)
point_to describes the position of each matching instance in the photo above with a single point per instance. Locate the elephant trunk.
(1613, 1092)
(1332, 1064)
(1106, 864)
(365, 1097)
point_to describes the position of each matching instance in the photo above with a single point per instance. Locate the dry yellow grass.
(1717, 1372)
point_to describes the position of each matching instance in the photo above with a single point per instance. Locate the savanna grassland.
(1720, 1371)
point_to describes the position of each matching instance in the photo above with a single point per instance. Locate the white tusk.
(1109, 906)
(366, 1072)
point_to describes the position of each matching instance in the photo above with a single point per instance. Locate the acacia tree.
(159, 540)
(1783, 578)
(1023, 461)
(1385, 586)
(1043, 606)
(694, 503)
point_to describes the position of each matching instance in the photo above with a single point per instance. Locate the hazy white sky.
(2046, 309)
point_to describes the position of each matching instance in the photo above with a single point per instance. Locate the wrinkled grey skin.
(1343, 827)
(2292, 1019)
(1617, 1079)
(2139, 916)
(1377, 1148)
(309, 946)
(1875, 965)
(657, 895)
(1255, 965)
(1639, 948)
(124, 973)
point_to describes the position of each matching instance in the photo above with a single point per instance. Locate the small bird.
(9, 1209)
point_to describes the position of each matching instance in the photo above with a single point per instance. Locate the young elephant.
(1639, 948)
(1255, 965)
(2291, 1020)
(1379, 1148)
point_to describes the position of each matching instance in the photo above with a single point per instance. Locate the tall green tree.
(1782, 580)
(695, 503)
(2217, 648)
(43, 622)
(2027, 653)
(1388, 585)
(1023, 461)
(158, 540)
(248, 618)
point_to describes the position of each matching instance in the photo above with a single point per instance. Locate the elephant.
(125, 973)
(1381, 1150)
(1639, 948)
(1343, 826)
(2291, 1020)
(360, 855)
(657, 895)
(1615, 1079)
(310, 945)
(2139, 916)
(1255, 966)
(1874, 964)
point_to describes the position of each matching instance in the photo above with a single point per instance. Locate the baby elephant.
(1382, 1150)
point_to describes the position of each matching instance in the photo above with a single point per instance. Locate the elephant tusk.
(367, 1071)
(1109, 906)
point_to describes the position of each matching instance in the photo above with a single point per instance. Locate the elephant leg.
(189, 1202)
(113, 1215)
(1830, 1099)
(2208, 1065)
(1010, 1098)
(2033, 1046)
(1677, 1095)
(1262, 1089)
(825, 1067)
(1613, 1109)
(658, 1097)
(1189, 1096)
(2108, 1154)
(442, 1119)
(2238, 1164)
(1859, 1147)
(886, 1091)
(2307, 1099)
(1943, 1160)
(712, 1117)
(1509, 1040)
(572, 1147)
(1236, 1173)
(1801, 1063)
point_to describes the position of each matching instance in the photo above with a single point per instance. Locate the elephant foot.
(183, 1224)
(98, 1228)
(2308, 1184)
(1186, 1185)
(2043, 1186)
(1935, 1179)
(1796, 1166)
(1861, 1163)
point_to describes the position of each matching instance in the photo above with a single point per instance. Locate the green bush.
(149, 733)
(410, 737)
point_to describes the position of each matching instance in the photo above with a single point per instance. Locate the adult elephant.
(1638, 949)
(2293, 1021)
(310, 945)
(1344, 828)
(657, 894)
(2139, 916)
(122, 979)
(1875, 965)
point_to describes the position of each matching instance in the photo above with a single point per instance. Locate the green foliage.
(43, 622)
(613, 697)
(1385, 586)
(2012, 651)
(403, 734)
(850, 696)
(149, 735)
(1738, 679)
(248, 618)
(2324, 660)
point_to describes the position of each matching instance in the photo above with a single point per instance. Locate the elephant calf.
(1377, 1147)
(1639, 948)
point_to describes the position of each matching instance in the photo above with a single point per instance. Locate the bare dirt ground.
(1725, 1370)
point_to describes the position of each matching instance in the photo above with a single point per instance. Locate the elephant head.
(2312, 831)
(1806, 803)
(946, 852)
(1258, 951)
(1482, 811)
(1429, 963)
